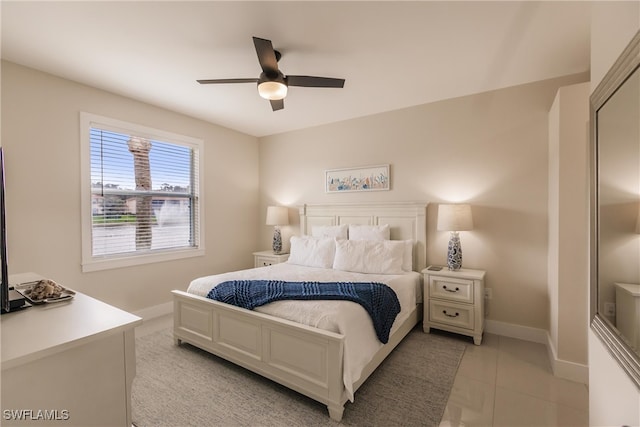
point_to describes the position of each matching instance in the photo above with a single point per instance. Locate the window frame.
(95, 263)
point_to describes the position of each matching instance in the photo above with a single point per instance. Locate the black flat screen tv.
(10, 300)
(4, 273)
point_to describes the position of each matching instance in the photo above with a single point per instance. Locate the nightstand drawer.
(459, 315)
(262, 261)
(460, 290)
(267, 258)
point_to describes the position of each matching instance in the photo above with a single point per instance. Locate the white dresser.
(454, 301)
(628, 312)
(70, 363)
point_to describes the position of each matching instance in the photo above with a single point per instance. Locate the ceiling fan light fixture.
(272, 91)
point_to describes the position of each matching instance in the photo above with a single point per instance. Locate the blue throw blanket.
(378, 299)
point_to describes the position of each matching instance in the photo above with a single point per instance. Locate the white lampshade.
(638, 223)
(277, 215)
(455, 217)
(273, 91)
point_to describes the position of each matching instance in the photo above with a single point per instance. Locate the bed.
(321, 357)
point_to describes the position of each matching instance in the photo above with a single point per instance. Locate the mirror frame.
(622, 69)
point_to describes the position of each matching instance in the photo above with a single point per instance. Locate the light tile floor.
(503, 382)
(509, 382)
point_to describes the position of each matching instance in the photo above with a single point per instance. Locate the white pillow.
(369, 232)
(370, 256)
(339, 231)
(312, 251)
(407, 257)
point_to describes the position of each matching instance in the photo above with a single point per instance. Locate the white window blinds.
(144, 193)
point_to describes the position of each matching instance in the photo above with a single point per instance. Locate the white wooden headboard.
(407, 220)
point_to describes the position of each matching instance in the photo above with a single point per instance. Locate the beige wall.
(488, 149)
(613, 397)
(40, 133)
(568, 221)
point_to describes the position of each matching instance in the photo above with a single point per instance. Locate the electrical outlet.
(488, 294)
(610, 308)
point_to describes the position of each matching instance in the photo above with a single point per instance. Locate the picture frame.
(363, 178)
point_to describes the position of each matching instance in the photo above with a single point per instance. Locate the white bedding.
(343, 317)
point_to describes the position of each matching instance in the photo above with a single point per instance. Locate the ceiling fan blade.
(311, 81)
(266, 55)
(277, 104)
(206, 82)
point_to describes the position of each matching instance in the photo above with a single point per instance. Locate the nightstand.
(454, 301)
(628, 312)
(265, 258)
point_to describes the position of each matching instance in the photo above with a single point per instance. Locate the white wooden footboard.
(302, 358)
(305, 359)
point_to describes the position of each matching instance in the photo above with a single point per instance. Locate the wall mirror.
(615, 210)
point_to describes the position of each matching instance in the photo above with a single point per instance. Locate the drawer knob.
(449, 290)
(450, 315)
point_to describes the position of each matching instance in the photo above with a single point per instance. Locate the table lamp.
(277, 216)
(454, 218)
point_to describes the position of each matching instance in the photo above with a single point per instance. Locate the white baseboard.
(511, 330)
(565, 369)
(155, 311)
(561, 368)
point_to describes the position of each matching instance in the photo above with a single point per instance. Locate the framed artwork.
(365, 178)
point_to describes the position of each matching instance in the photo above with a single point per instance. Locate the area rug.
(182, 385)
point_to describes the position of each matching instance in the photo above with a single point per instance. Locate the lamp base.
(277, 240)
(454, 252)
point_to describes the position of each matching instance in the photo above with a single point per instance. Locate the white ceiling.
(392, 54)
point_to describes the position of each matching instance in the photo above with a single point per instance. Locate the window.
(141, 194)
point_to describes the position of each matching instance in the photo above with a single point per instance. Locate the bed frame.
(302, 358)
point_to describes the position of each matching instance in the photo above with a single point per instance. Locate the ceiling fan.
(272, 84)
